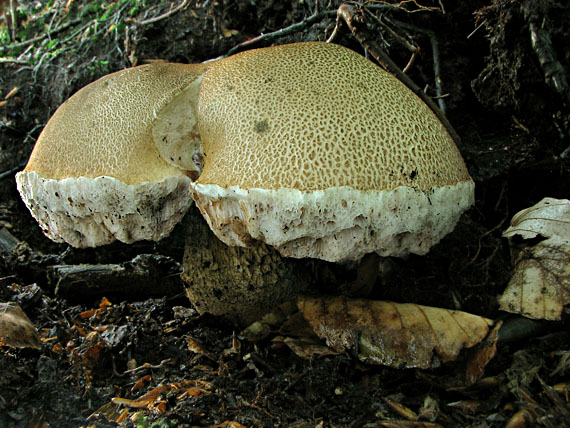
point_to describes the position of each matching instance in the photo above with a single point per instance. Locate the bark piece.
(145, 275)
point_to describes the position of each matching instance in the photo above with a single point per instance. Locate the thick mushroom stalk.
(100, 172)
(319, 153)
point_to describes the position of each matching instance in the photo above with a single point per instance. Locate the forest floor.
(125, 355)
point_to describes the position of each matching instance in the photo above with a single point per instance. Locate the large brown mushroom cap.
(315, 150)
(311, 116)
(97, 174)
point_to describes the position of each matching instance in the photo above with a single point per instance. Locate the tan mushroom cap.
(105, 128)
(96, 173)
(315, 150)
(311, 116)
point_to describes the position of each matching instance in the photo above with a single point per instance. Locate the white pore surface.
(337, 224)
(88, 212)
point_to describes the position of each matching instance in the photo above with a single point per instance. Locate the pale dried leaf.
(548, 218)
(16, 329)
(540, 285)
(397, 335)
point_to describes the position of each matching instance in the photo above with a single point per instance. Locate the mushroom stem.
(238, 284)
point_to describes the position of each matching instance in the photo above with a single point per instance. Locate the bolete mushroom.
(100, 172)
(308, 147)
(319, 153)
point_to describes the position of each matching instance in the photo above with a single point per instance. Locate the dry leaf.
(392, 334)
(16, 329)
(408, 424)
(12, 92)
(229, 32)
(305, 347)
(155, 400)
(198, 347)
(481, 357)
(228, 424)
(400, 409)
(540, 285)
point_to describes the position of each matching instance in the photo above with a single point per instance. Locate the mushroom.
(307, 147)
(319, 153)
(109, 165)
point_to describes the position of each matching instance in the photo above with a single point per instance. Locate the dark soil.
(504, 69)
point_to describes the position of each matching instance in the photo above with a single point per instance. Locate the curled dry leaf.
(482, 355)
(393, 334)
(16, 329)
(540, 285)
(155, 400)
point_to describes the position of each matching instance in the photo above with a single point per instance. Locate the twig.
(65, 41)
(472, 33)
(436, 62)
(409, 64)
(554, 73)
(55, 9)
(164, 15)
(12, 171)
(38, 38)
(437, 73)
(355, 23)
(399, 38)
(13, 19)
(146, 366)
(398, 6)
(402, 40)
(13, 61)
(281, 32)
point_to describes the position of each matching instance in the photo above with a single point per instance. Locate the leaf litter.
(540, 285)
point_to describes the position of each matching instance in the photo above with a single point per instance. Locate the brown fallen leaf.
(154, 400)
(198, 347)
(305, 347)
(481, 357)
(228, 424)
(393, 334)
(522, 418)
(16, 330)
(400, 409)
(540, 285)
(408, 424)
